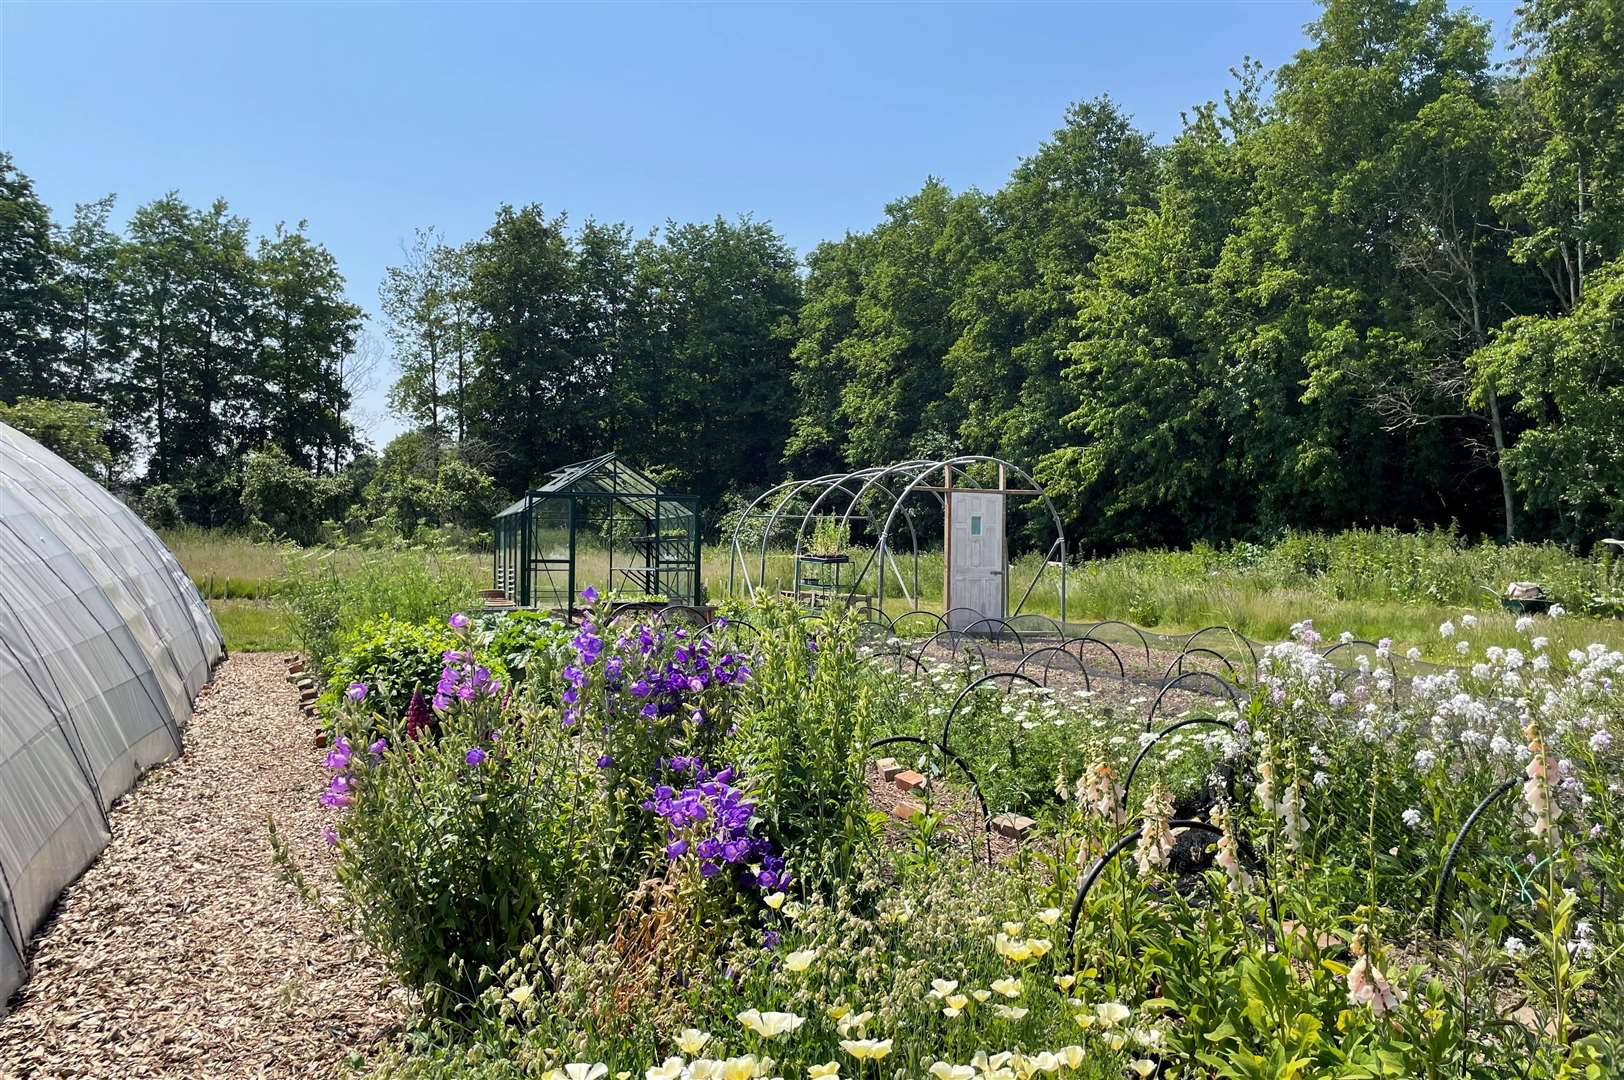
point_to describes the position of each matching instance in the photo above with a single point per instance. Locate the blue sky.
(371, 119)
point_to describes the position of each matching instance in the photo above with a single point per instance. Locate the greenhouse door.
(978, 559)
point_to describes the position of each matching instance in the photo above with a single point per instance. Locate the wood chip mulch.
(181, 952)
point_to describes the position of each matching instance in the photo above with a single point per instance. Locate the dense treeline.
(185, 342)
(1381, 285)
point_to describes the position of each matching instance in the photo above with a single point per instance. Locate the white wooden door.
(979, 559)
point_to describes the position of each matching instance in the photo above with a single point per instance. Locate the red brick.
(908, 780)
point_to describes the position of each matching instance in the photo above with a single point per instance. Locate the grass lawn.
(255, 625)
(1372, 584)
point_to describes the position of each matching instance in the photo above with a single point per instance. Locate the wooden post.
(1003, 516)
(947, 541)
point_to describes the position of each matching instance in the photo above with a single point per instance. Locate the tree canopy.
(1380, 285)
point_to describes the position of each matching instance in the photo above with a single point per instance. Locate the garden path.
(181, 952)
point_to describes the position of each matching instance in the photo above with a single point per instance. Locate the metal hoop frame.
(976, 685)
(863, 485)
(1143, 640)
(1200, 650)
(1049, 666)
(1144, 751)
(1155, 706)
(1122, 669)
(1446, 875)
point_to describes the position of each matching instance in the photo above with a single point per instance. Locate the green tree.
(538, 388)
(309, 330)
(92, 337)
(1569, 141)
(1565, 374)
(879, 326)
(286, 497)
(72, 430)
(416, 298)
(723, 296)
(30, 304)
(1029, 249)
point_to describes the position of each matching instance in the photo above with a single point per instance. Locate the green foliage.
(393, 658)
(450, 868)
(422, 480)
(830, 535)
(73, 430)
(1566, 375)
(159, 506)
(292, 502)
(332, 595)
(526, 647)
(802, 740)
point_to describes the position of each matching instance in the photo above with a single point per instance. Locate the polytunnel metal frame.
(873, 484)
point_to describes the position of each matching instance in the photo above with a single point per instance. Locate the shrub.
(454, 854)
(393, 659)
(527, 648)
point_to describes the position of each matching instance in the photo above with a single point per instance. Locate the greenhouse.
(104, 644)
(600, 523)
(960, 504)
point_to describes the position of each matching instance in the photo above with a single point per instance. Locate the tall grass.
(1376, 583)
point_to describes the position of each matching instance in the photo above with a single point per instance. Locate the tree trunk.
(1500, 463)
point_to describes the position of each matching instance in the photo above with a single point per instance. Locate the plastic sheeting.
(104, 644)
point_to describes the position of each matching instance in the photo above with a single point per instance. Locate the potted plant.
(830, 535)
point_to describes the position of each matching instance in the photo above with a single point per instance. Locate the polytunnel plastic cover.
(104, 644)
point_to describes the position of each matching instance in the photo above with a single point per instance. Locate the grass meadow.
(1374, 584)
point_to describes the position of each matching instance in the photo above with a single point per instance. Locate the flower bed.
(664, 861)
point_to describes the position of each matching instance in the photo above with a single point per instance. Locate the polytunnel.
(104, 644)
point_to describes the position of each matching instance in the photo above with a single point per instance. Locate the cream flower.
(866, 1049)
(1111, 1013)
(981, 995)
(829, 1070)
(800, 961)
(942, 987)
(739, 1068)
(521, 994)
(854, 1022)
(1142, 1066)
(944, 1071)
(1049, 916)
(838, 1011)
(1073, 1056)
(770, 1025)
(1010, 988)
(691, 1041)
(704, 1069)
(586, 1070)
(1009, 1012)
(775, 900)
(671, 1070)
(955, 1004)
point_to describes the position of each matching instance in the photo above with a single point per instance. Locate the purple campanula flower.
(589, 595)
(357, 691)
(604, 761)
(329, 835)
(377, 749)
(459, 621)
(339, 756)
(770, 939)
(474, 756)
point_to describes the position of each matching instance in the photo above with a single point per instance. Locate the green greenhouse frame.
(547, 541)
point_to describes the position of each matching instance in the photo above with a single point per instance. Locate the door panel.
(979, 559)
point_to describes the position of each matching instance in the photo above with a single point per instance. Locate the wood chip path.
(180, 952)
